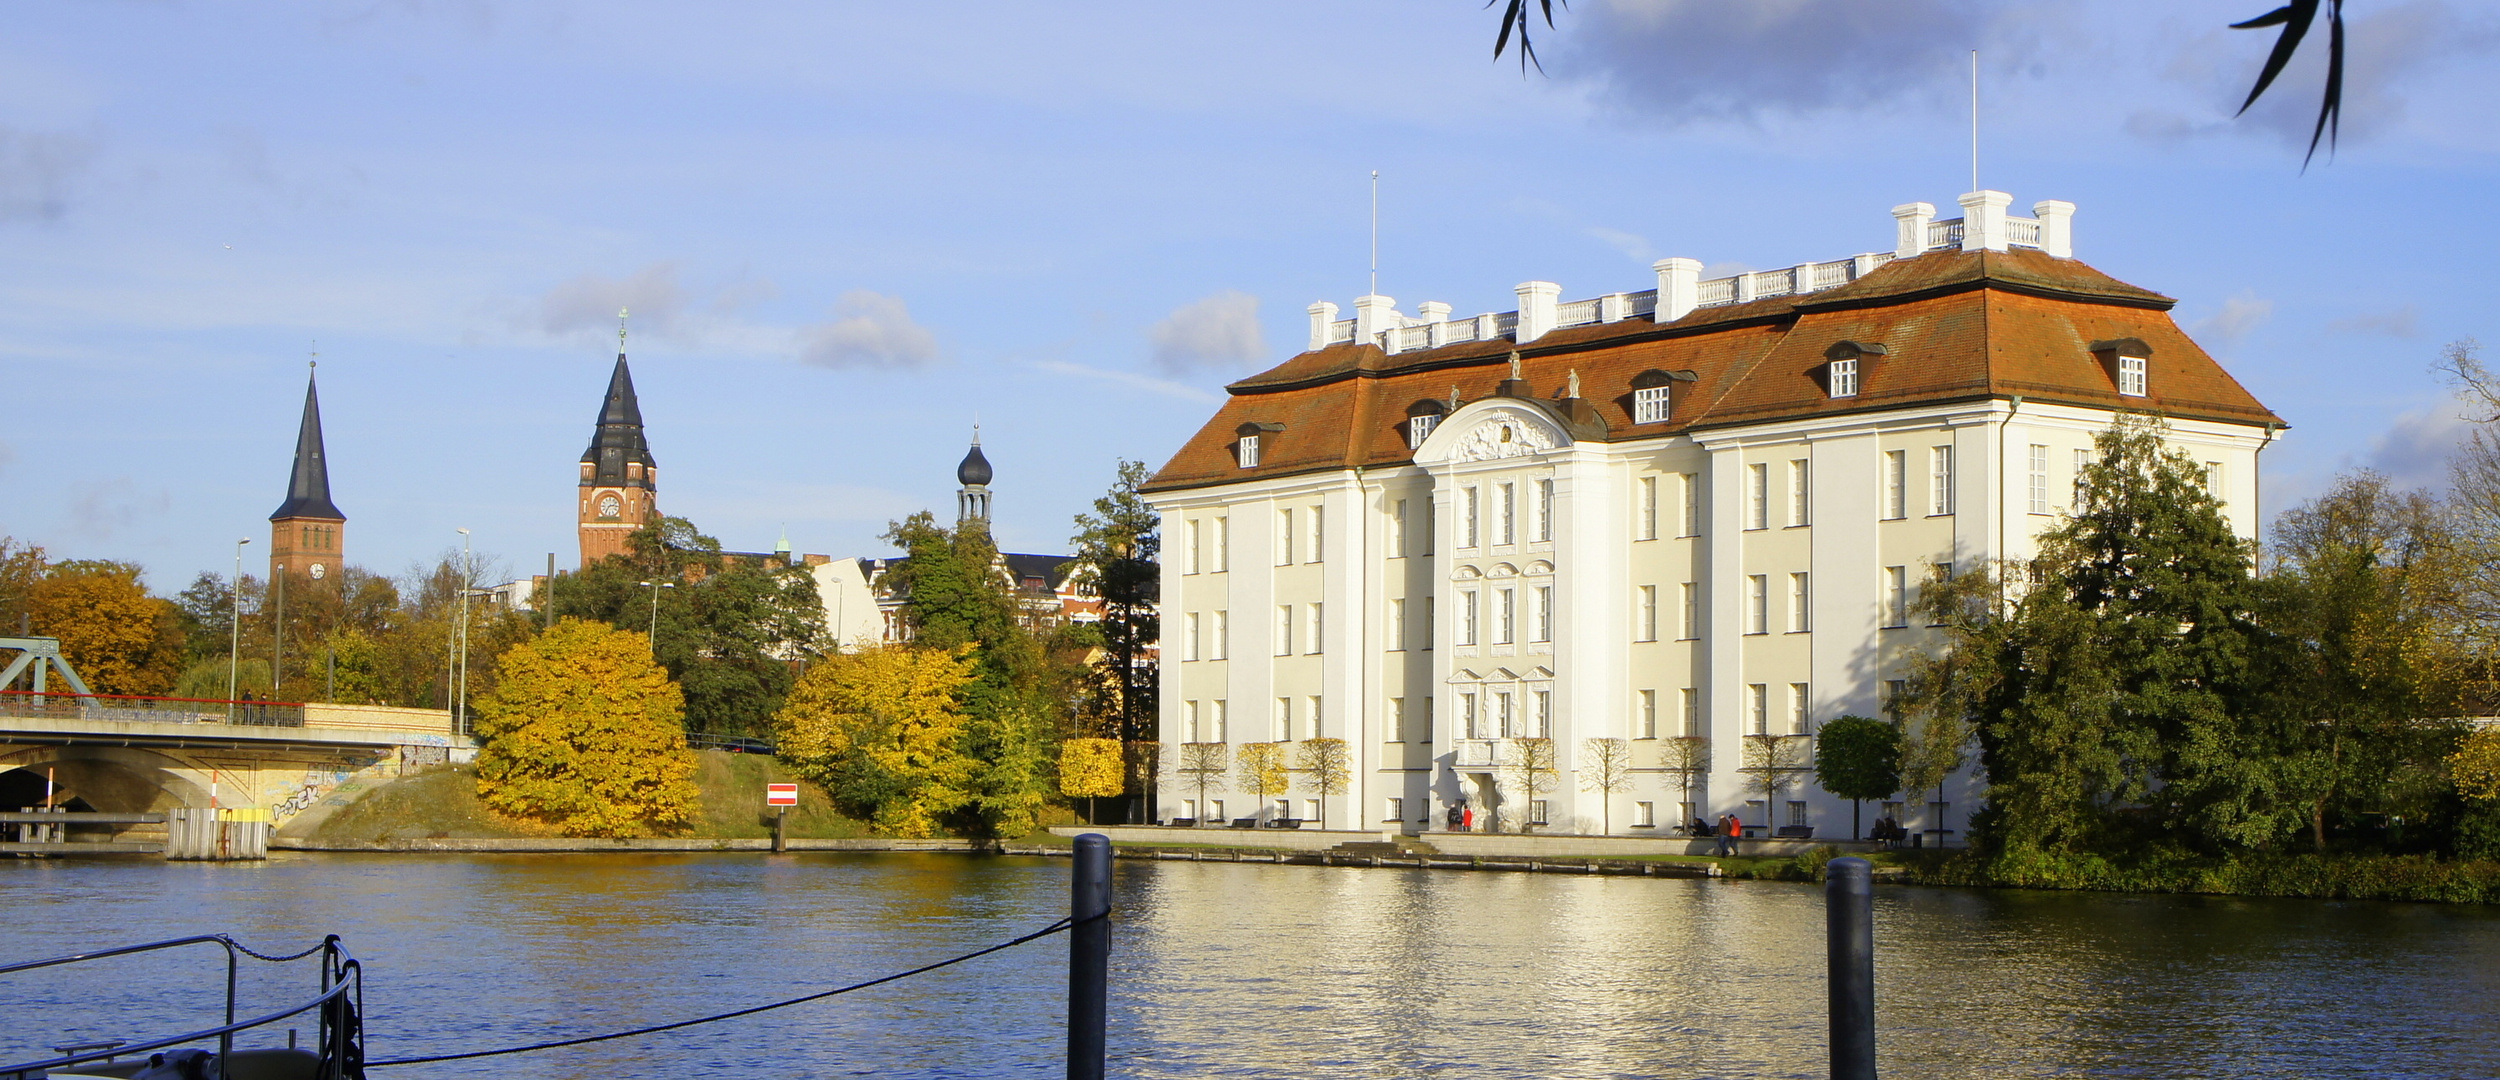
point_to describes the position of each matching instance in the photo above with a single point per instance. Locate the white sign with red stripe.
(781, 794)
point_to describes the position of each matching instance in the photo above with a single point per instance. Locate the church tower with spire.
(307, 534)
(972, 501)
(618, 476)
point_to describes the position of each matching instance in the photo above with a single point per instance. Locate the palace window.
(1758, 604)
(1758, 496)
(1544, 628)
(1648, 528)
(1249, 451)
(1644, 815)
(1543, 530)
(1896, 484)
(1649, 613)
(1758, 696)
(1419, 428)
(1649, 405)
(2039, 479)
(1691, 702)
(1648, 724)
(2131, 376)
(1939, 480)
(1800, 490)
(1845, 378)
(1800, 600)
(1797, 708)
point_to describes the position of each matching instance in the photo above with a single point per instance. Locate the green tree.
(1858, 758)
(731, 631)
(584, 732)
(1116, 551)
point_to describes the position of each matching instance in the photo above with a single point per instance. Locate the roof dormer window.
(1419, 428)
(1650, 405)
(2131, 375)
(1246, 449)
(2127, 361)
(1844, 368)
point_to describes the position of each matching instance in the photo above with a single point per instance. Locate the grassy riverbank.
(443, 804)
(2325, 877)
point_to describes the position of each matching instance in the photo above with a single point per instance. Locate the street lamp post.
(468, 574)
(234, 648)
(655, 587)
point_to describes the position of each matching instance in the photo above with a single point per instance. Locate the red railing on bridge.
(61, 705)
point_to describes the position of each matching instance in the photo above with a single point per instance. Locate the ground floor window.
(1215, 809)
(1310, 809)
(1393, 810)
(1536, 811)
(1189, 808)
(1893, 810)
(1796, 813)
(1685, 811)
(1284, 808)
(1756, 812)
(1644, 815)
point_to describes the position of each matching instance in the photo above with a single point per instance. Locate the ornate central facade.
(1692, 519)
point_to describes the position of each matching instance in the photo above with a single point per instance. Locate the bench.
(1245, 823)
(1181, 823)
(1795, 832)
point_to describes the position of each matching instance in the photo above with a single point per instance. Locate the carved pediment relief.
(1499, 437)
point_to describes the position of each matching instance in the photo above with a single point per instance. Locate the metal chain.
(247, 951)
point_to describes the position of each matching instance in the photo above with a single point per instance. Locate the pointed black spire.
(619, 439)
(308, 489)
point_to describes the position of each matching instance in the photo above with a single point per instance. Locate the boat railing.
(339, 1044)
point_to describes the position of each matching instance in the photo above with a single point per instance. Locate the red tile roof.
(1954, 326)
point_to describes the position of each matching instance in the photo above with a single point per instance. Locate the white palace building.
(1679, 517)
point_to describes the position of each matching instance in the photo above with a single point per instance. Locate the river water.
(1225, 969)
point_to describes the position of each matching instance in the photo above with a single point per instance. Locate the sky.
(849, 232)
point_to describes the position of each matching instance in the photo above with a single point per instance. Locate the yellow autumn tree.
(120, 639)
(585, 732)
(2476, 764)
(1091, 768)
(1262, 767)
(882, 731)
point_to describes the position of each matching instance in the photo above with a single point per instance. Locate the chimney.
(1537, 303)
(1912, 219)
(1983, 220)
(1679, 288)
(2057, 227)
(1322, 314)
(1373, 314)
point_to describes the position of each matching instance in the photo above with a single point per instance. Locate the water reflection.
(1254, 970)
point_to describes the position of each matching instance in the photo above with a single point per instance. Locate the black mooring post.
(1849, 903)
(1089, 956)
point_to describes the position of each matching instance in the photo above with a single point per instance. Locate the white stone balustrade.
(1681, 290)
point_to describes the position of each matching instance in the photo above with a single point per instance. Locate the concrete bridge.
(123, 755)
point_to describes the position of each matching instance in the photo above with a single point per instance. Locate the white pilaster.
(1436, 317)
(2057, 227)
(1910, 229)
(1373, 314)
(1538, 301)
(1322, 315)
(1679, 288)
(1983, 220)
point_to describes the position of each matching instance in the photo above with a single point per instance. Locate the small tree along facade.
(1771, 763)
(1324, 767)
(1531, 766)
(1263, 771)
(1689, 758)
(1202, 767)
(1858, 758)
(1606, 768)
(585, 732)
(1091, 769)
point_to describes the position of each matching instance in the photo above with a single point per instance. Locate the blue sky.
(849, 229)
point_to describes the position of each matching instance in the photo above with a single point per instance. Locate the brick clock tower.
(307, 535)
(618, 475)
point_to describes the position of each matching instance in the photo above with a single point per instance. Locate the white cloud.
(870, 329)
(1148, 383)
(2414, 451)
(2239, 315)
(1219, 331)
(2403, 322)
(591, 301)
(1633, 245)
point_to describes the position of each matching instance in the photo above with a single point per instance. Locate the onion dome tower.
(619, 480)
(972, 501)
(307, 533)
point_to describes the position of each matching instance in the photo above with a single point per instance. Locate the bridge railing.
(56, 705)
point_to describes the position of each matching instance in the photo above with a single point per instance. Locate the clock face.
(609, 507)
(318, 570)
